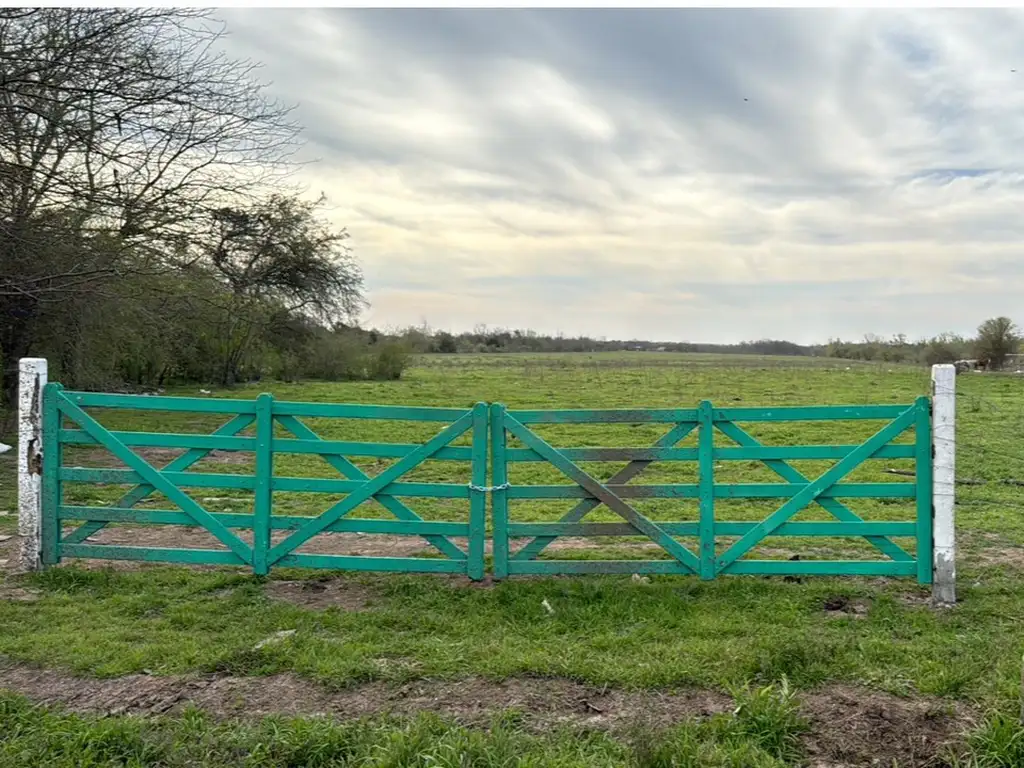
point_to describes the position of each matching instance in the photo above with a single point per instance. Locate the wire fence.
(989, 457)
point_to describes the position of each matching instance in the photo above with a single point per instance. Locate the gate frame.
(32, 446)
(266, 413)
(822, 491)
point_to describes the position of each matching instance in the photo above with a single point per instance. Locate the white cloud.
(707, 175)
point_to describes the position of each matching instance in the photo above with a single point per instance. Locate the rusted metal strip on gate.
(603, 494)
(824, 491)
(493, 426)
(677, 434)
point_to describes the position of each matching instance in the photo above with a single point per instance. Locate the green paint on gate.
(266, 415)
(706, 560)
(720, 546)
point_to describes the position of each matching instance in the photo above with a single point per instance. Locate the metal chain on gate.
(490, 488)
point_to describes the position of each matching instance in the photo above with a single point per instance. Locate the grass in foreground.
(672, 632)
(764, 732)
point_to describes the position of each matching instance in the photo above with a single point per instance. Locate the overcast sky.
(674, 175)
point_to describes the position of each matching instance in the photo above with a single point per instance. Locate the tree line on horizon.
(995, 340)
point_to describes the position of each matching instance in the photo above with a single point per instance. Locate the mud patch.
(1011, 556)
(17, 594)
(353, 544)
(157, 457)
(543, 703)
(184, 537)
(101, 458)
(849, 727)
(915, 599)
(321, 594)
(843, 607)
(856, 727)
(241, 458)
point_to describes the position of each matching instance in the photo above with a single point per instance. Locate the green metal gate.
(265, 429)
(720, 545)
(265, 432)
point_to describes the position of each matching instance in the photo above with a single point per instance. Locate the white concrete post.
(944, 484)
(32, 376)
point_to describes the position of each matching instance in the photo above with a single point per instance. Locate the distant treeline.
(945, 348)
(483, 340)
(996, 339)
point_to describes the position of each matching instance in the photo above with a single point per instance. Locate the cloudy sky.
(676, 175)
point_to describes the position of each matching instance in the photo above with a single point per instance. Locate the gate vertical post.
(706, 488)
(264, 495)
(32, 377)
(499, 496)
(944, 483)
(923, 475)
(477, 494)
(52, 458)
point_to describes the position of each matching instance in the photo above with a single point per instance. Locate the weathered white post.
(944, 484)
(32, 376)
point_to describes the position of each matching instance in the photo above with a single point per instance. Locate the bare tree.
(120, 130)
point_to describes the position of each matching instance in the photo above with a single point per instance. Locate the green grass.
(763, 732)
(674, 631)
(605, 631)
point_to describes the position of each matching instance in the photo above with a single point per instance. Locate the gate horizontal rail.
(263, 417)
(714, 555)
(499, 439)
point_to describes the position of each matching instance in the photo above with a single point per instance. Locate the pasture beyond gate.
(484, 448)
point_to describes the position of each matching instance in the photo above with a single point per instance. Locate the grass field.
(430, 670)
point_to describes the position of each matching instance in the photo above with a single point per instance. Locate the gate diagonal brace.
(238, 424)
(670, 439)
(368, 489)
(604, 494)
(153, 477)
(393, 505)
(813, 490)
(835, 507)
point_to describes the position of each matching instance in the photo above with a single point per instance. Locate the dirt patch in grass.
(352, 544)
(857, 727)
(104, 459)
(157, 457)
(543, 702)
(241, 458)
(320, 594)
(17, 594)
(198, 538)
(843, 607)
(850, 727)
(1011, 556)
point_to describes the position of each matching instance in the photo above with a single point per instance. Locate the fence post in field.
(944, 483)
(32, 376)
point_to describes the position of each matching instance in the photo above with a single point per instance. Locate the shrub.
(388, 361)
